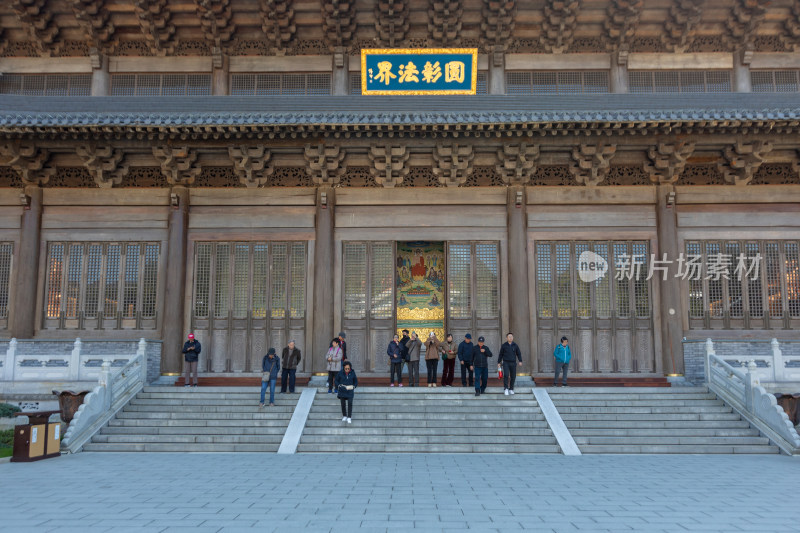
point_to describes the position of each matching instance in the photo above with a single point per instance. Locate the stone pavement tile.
(223, 523)
(134, 529)
(239, 529)
(185, 529)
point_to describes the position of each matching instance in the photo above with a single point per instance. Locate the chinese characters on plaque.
(419, 71)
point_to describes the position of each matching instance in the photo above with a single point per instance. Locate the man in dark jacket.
(403, 348)
(191, 353)
(480, 362)
(270, 366)
(465, 358)
(290, 358)
(343, 345)
(508, 360)
(394, 351)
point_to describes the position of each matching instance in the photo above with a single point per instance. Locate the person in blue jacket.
(562, 355)
(464, 355)
(346, 383)
(270, 366)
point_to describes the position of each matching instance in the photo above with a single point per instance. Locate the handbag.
(265, 376)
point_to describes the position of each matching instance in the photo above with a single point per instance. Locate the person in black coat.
(191, 353)
(480, 363)
(509, 358)
(346, 383)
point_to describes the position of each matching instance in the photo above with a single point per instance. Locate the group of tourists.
(473, 359)
(405, 350)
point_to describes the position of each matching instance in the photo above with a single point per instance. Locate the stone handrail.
(113, 391)
(773, 365)
(743, 392)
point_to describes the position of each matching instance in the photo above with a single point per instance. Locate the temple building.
(626, 174)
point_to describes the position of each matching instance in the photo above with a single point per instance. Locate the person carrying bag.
(270, 366)
(346, 383)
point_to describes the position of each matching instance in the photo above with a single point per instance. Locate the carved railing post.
(9, 361)
(452, 163)
(750, 384)
(389, 167)
(778, 364)
(517, 163)
(591, 163)
(178, 164)
(709, 347)
(75, 361)
(742, 160)
(324, 163)
(252, 164)
(667, 161)
(104, 163)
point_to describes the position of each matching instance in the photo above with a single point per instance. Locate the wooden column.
(101, 79)
(669, 289)
(497, 71)
(323, 278)
(741, 72)
(23, 316)
(341, 73)
(618, 76)
(519, 307)
(173, 320)
(220, 76)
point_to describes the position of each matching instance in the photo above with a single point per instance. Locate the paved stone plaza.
(91, 492)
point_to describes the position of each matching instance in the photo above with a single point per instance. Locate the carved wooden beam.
(667, 161)
(591, 163)
(452, 163)
(517, 163)
(277, 18)
(679, 26)
(389, 167)
(621, 22)
(743, 22)
(32, 163)
(37, 19)
(178, 164)
(391, 21)
(338, 22)
(103, 163)
(216, 21)
(155, 22)
(792, 27)
(558, 26)
(324, 163)
(741, 161)
(444, 20)
(497, 24)
(95, 20)
(252, 164)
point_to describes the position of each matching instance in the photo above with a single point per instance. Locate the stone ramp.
(202, 419)
(425, 420)
(655, 420)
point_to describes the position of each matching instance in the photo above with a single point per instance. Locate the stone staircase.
(424, 420)
(202, 419)
(655, 420)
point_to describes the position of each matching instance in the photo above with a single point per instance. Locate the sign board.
(415, 71)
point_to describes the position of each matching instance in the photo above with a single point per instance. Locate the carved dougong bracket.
(497, 24)
(324, 163)
(444, 20)
(338, 22)
(391, 21)
(743, 22)
(252, 164)
(742, 161)
(452, 166)
(103, 163)
(178, 164)
(389, 164)
(591, 163)
(29, 161)
(37, 19)
(679, 26)
(95, 20)
(155, 22)
(277, 21)
(620, 25)
(667, 161)
(517, 163)
(216, 21)
(558, 26)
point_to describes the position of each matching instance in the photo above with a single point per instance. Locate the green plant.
(6, 410)
(6, 438)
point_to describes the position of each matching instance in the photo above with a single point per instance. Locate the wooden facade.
(252, 221)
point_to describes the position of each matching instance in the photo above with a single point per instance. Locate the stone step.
(252, 400)
(179, 448)
(250, 408)
(357, 440)
(646, 417)
(464, 418)
(444, 448)
(189, 439)
(604, 411)
(558, 391)
(644, 402)
(672, 440)
(265, 413)
(603, 397)
(184, 423)
(198, 430)
(593, 424)
(483, 425)
(355, 429)
(679, 449)
(215, 396)
(655, 432)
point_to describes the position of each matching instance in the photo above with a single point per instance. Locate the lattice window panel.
(602, 286)
(459, 280)
(355, 275)
(172, 84)
(382, 280)
(583, 291)
(563, 277)
(544, 280)
(85, 281)
(282, 84)
(249, 279)
(679, 81)
(481, 84)
(775, 81)
(487, 298)
(766, 291)
(551, 82)
(6, 257)
(46, 84)
(355, 83)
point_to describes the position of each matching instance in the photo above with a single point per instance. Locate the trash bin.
(38, 439)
